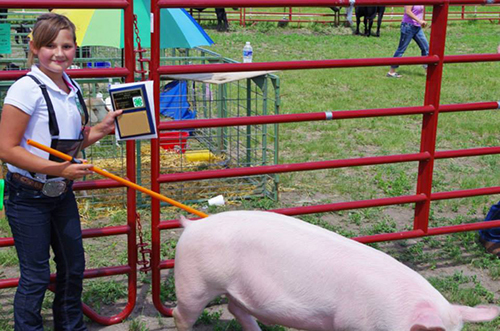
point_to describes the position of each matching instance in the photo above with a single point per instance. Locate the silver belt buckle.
(54, 188)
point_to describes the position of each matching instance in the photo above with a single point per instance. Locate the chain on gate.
(142, 247)
(139, 51)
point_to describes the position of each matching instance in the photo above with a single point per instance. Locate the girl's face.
(58, 55)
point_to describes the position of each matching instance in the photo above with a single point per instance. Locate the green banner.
(5, 38)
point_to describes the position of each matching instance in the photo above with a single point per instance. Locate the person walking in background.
(411, 28)
(48, 107)
(348, 14)
(490, 238)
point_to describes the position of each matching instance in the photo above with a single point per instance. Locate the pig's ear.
(428, 320)
(478, 313)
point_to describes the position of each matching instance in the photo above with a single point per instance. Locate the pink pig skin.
(284, 271)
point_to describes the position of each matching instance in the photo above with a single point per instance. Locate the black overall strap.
(53, 126)
(82, 102)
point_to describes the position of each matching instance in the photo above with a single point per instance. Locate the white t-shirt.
(26, 95)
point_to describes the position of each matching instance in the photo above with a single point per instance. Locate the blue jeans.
(492, 234)
(39, 222)
(409, 32)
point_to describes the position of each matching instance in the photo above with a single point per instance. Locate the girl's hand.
(498, 49)
(108, 123)
(423, 23)
(74, 171)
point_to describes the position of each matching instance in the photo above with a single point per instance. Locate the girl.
(411, 28)
(47, 106)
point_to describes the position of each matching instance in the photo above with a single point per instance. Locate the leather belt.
(38, 186)
(27, 181)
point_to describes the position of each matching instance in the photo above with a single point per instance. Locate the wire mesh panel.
(211, 96)
(228, 147)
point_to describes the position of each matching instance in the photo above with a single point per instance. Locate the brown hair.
(46, 29)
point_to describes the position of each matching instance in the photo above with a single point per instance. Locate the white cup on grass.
(216, 201)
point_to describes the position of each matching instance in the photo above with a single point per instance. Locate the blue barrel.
(99, 65)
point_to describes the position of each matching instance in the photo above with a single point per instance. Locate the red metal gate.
(130, 270)
(423, 196)
(247, 16)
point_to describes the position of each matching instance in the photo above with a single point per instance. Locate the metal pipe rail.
(86, 233)
(130, 270)
(244, 17)
(322, 64)
(108, 4)
(74, 73)
(314, 3)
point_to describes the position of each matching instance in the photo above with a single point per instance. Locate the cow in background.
(222, 23)
(369, 14)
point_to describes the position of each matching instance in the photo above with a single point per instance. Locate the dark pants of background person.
(492, 235)
(409, 32)
(39, 222)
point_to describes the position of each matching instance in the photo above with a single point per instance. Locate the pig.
(283, 271)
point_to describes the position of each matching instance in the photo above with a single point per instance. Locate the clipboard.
(137, 120)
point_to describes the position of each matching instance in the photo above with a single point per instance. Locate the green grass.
(468, 291)
(104, 291)
(137, 325)
(361, 88)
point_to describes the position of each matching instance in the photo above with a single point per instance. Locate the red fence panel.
(130, 270)
(423, 196)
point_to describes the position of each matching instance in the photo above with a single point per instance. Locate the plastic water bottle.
(247, 53)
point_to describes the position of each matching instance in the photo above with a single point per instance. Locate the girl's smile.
(57, 56)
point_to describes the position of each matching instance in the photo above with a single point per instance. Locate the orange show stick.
(125, 182)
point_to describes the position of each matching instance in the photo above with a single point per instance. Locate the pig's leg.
(242, 316)
(190, 306)
(185, 317)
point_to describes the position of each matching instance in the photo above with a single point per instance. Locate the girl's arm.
(415, 18)
(95, 133)
(13, 124)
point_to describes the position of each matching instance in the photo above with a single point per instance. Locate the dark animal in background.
(369, 14)
(222, 23)
(22, 34)
(83, 52)
(11, 66)
(3, 15)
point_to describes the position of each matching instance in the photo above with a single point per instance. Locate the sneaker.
(490, 246)
(394, 75)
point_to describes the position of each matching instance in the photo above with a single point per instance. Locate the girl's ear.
(33, 49)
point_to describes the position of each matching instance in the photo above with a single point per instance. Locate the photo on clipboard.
(137, 120)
